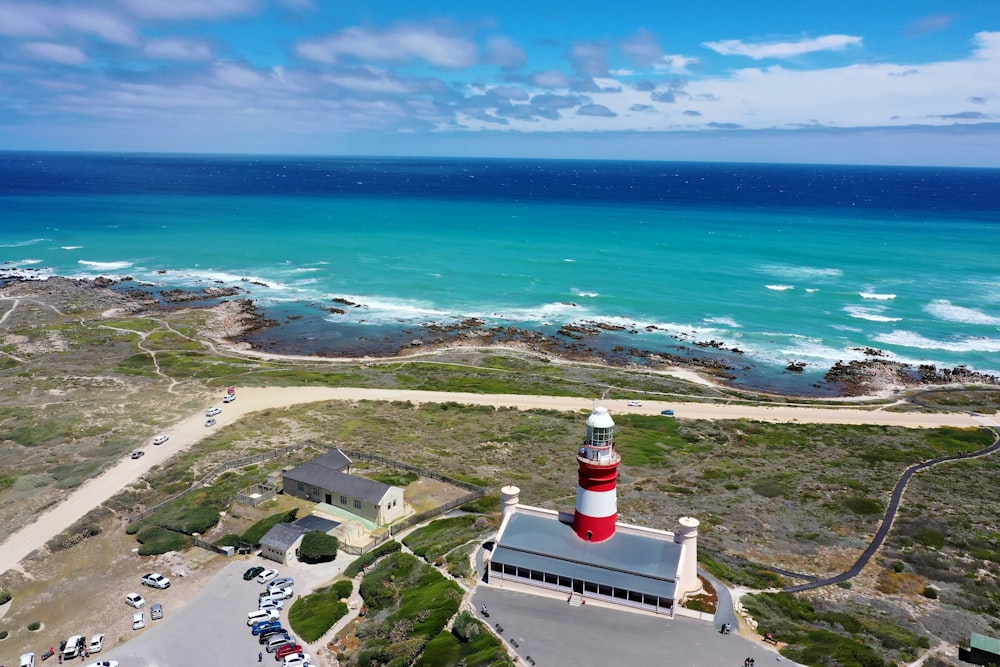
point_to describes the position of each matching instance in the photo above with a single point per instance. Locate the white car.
(262, 615)
(155, 580)
(634, 404)
(134, 600)
(279, 593)
(138, 622)
(27, 660)
(229, 398)
(160, 439)
(211, 412)
(297, 660)
(268, 603)
(96, 644)
(266, 576)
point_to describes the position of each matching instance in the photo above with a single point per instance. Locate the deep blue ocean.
(783, 262)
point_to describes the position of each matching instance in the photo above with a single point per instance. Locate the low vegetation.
(469, 643)
(318, 547)
(313, 615)
(364, 560)
(433, 541)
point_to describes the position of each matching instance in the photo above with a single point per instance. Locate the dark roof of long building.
(283, 535)
(317, 473)
(628, 560)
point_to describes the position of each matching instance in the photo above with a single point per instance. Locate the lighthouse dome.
(600, 418)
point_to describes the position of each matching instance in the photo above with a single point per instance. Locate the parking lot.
(212, 628)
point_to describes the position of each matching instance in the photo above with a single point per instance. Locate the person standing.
(260, 657)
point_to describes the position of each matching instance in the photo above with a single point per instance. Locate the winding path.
(890, 516)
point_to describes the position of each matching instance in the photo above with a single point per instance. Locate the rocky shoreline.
(234, 321)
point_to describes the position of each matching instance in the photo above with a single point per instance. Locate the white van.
(262, 615)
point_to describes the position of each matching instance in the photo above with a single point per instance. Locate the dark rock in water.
(337, 311)
(796, 366)
(416, 342)
(345, 302)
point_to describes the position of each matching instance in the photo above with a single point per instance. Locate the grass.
(439, 537)
(311, 616)
(254, 533)
(469, 644)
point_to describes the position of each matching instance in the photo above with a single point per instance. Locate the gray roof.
(984, 643)
(317, 523)
(320, 476)
(283, 535)
(638, 562)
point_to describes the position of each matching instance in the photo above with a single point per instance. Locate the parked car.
(27, 660)
(211, 412)
(273, 633)
(277, 641)
(266, 576)
(280, 582)
(277, 593)
(138, 622)
(156, 612)
(287, 649)
(669, 413)
(269, 604)
(155, 580)
(252, 572)
(73, 646)
(229, 398)
(160, 439)
(261, 615)
(260, 626)
(138, 454)
(104, 663)
(297, 660)
(134, 600)
(634, 404)
(209, 422)
(96, 644)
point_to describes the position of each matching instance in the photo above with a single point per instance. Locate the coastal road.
(252, 399)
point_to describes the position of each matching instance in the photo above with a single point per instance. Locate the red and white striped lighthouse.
(596, 494)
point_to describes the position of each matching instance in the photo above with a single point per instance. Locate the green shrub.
(863, 506)
(484, 505)
(7, 481)
(318, 547)
(4, 634)
(229, 540)
(5, 597)
(364, 560)
(311, 616)
(188, 519)
(34, 625)
(156, 540)
(343, 588)
(898, 566)
(254, 533)
(930, 593)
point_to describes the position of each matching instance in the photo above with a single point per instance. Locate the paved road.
(191, 430)
(554, 634)
(211, 630)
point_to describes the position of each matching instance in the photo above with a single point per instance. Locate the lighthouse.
(596, 494)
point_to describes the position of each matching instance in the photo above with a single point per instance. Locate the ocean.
(763, 264)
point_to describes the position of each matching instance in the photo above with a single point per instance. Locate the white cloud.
(551, 79)
(642, 48)
(177, 49)
(674, 64)
(56, 53)
(504, 52)
(190, 9)
(24, 20)
(735, 47)
(234, 75)
(398, 45)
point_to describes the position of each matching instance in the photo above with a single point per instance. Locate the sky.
(907, 82)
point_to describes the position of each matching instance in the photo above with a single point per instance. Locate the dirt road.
(191, 430)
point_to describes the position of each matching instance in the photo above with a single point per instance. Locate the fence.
(210, 477)
(256, 494)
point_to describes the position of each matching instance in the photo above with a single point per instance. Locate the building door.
(578, 586)
(329, 499)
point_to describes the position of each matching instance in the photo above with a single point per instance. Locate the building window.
(357, 504)
(301, 486)
(343, 500)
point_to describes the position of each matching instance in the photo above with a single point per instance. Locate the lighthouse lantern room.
(596, 496)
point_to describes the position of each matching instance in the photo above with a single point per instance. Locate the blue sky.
(879, 81)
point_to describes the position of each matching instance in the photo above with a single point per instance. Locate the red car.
(287, 649)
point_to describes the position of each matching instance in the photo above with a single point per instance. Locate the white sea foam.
(21, 244)
(779, 288)
(812, 289)
(579, 292)
(876, 296)
(104, 266)
(949, 312)
(71, 247)
(569, 260)
(25, 262)
(725, 321)
(798, 272)
(963, 344)
(309, 269)
(870, 314)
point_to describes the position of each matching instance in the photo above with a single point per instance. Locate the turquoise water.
(796, 282)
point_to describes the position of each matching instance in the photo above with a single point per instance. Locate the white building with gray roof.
(322, 480)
